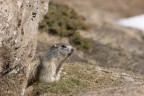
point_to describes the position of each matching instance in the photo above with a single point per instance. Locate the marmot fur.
(47, 68)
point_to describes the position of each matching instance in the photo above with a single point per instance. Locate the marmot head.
(60, 49)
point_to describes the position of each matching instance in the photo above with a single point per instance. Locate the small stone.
(98, 68)
(125, 74)
(64, 73)
(115, 76)
(128, 78)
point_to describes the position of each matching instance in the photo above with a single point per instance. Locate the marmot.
(47, 68)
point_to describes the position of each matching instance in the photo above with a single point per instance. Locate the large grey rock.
(18, 33)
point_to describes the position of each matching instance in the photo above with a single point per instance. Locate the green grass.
(64, 86)
(63, 21)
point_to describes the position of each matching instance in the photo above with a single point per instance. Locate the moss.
(64, 22)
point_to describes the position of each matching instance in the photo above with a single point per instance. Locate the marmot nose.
(72, 50)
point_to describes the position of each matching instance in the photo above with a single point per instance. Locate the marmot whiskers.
(47, 68)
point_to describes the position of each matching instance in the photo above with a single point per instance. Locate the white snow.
(134, 22)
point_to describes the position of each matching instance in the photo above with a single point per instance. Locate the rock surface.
(18, 35)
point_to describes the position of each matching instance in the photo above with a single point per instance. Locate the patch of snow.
(133, 22)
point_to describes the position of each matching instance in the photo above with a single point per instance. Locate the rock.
(18, 37)
(128, 78)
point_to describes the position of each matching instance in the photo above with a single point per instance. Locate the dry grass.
(113, 47)
(106, 56)
(78, 79)
(117, 47)
(135, 90)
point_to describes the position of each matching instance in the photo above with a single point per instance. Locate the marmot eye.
(63, 46)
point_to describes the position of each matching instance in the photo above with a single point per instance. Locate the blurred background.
(104, 33)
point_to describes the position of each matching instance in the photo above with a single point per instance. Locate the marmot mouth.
(72, 50)
(69, 54)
